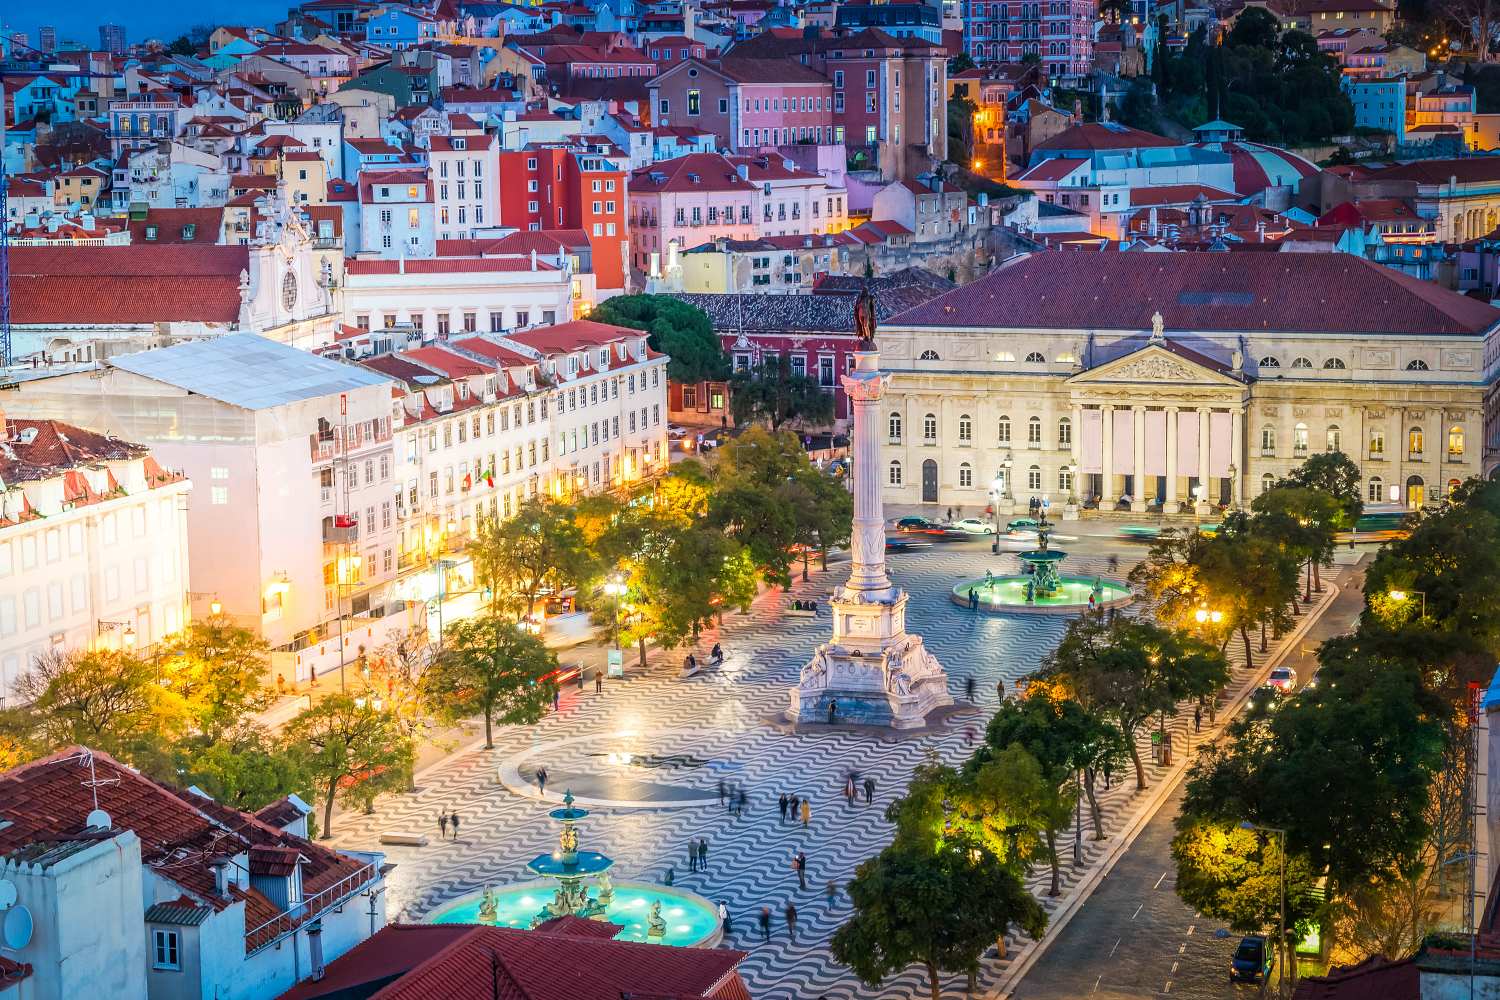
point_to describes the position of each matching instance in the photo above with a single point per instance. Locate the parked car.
(675, 431)
(974, 526)
(1022, 524)
(1252, 960)
(919, 526)
(1283, 679)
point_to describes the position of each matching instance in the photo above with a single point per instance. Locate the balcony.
(340, 529)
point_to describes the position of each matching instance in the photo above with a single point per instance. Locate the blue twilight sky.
(80, 19)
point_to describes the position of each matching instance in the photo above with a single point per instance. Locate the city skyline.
(80, 22)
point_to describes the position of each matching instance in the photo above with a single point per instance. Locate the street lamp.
(615, 588)
(1281, 867)
(1204, 616)
(996, 486)
(1399, 596)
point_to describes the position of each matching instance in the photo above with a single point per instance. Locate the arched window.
(894, 428)
(1333, 438)
(1004, 434)
(1065, 481)
(928, 356)
(965, 429)
(1299, 439)
(1269, 362)
(894, 475)
(1301, 363)
(966, 475)
(1034, 432)
(929, 428)
(1416, 366)
(1455, 442)
(1414, 440)
(1334, 364)
(1035, 358)
(1376, 490)
(1268, 440)
(1034, 478)
(1266, 482)
(1064, 432)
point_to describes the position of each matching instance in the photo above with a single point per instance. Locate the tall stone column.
(1138, 491)
(1203, 467)
(1107, 452)
(1169, 504)
(865, 386)
(1075, 446)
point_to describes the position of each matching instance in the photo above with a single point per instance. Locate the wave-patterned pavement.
(725, 720)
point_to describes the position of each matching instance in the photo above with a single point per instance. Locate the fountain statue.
(1041, 589)
(487, 908)
(656, 926)
(1045, 579)
(571, 867)
(873, 671)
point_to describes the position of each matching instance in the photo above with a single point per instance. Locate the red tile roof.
(1177, 194)
(1313, 293)
(55, 448)
(1096, 135)
(487, 348)
(1054, 169)
(445, 362)
(572, 336)
(694, 172)
(475, 962)
(169, 223)
(1470, 170)
(135, 284)
(1376, 978)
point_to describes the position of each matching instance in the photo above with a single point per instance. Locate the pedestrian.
(969, 736)
(580, 678)
(670, 876)
(781, 804)
(765, 923)
(703, 855)
(280, 685)
(1114, 564)
(950, 513)
(692, 855)
(869, 790)
(792, 805)
(791, 920)
(442, 826)
(541, 780)
(969, 688)
(722, 789)
(453, 821)
(744, 801)
(799, 865)
(806, 814)
(724, 918)
(1197, 717)
(833, 891)
(556, 699)
(973, 600)
(1000, 689)
(599, 682)
(833, 710)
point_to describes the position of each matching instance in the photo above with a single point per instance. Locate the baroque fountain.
(1040, 588)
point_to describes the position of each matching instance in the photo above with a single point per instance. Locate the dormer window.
(572, 364)
(604, 357)
(463, 390)
(640, 348)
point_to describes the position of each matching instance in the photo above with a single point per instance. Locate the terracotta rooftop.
(573, 335)
(133, 284)
(444, 265)
(33, 450)
(1106, 135)
(1314, 293)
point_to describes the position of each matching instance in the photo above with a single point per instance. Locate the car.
(1022, 524)
(675, 431)
(1264, 700)
(919, 526)
(904, 543)
(973, 526)
(1283, 679)
(1252, 960)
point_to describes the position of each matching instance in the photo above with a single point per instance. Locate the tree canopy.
(774, 395)
(490, 667)
(683, 332)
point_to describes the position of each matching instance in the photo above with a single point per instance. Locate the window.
(1299, 439)
(1268, 440)
(1269, 362)
(1416, 366)
(1064, 432)
(965, 429)
(1267, 482)
(893, 475)
(1065, 481)
(218, 495)
(928, 356)
(1301, 363)
(1334, 364)
(966, 476)
(1376, 491)
(1034, 478)
(1035, 358)
(1334, 439)
(1377, 443)
(1455, 442)
(1034, 432)
(929, 428)
(894, 429)
(164, 950)
(1003, 435)
(1414, 442)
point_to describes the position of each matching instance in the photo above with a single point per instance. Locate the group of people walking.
(446, 820)
(796, 807)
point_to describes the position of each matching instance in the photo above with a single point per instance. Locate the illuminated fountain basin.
(692, 921)
(1007, 595)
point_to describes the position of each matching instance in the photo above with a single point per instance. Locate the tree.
(1333, 473)
(1304, 520)
(247, 769)
(348, 744)
(1255, 27)
(1127, 671)
(490, 667)
(1235, 875)
(1171, 574)
(960, 63)
(393, 675)
(1480, 18)
(938, 908)
(772, 394)
(1024, 805)
(103, 699)
(182, 46)
(682, 580)
(540, 547)
(1250, 578)
(682, 332)
(218, 669)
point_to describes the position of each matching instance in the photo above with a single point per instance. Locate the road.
(1133, 937)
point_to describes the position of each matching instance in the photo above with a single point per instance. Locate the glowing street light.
(1400, 596)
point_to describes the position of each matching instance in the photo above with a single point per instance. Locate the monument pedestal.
(873, 672)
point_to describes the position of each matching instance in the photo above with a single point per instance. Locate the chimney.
(315, 950)
(220, 868)
(1152, 223)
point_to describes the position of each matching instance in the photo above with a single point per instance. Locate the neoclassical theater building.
(1175, 379)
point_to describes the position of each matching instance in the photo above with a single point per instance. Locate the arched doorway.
(1416, 492)
(929, 481)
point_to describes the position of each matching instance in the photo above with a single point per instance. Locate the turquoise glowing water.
(689, 920)
(1010, 591)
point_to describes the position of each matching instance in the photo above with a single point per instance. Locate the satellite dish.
(7, 894)
(98, 818)
(18, 927)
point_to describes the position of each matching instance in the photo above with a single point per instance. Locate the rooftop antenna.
(96, 817)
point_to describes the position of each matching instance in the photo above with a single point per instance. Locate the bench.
(800, 613)
(403, 839)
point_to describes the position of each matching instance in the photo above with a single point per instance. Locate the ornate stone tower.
(873, 671)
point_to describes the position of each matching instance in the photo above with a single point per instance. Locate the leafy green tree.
(104, 699)
(682, 332)
(684, 577)
(182, 46)
(1254, 28)
(1250, 578)
(1333, 473)
(1304, 520)
(219, 670)
(347, 743)
(247, 769)
(490, 667)
(772, 394)
(937, 908)
(1235, 875)
(540, 547)
(960, 63)
(1025, 805)
(1127, 671)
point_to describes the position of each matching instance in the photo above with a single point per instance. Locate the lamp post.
(1281, 869)
(615, 588)
(996, 486)
(1400, 596)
